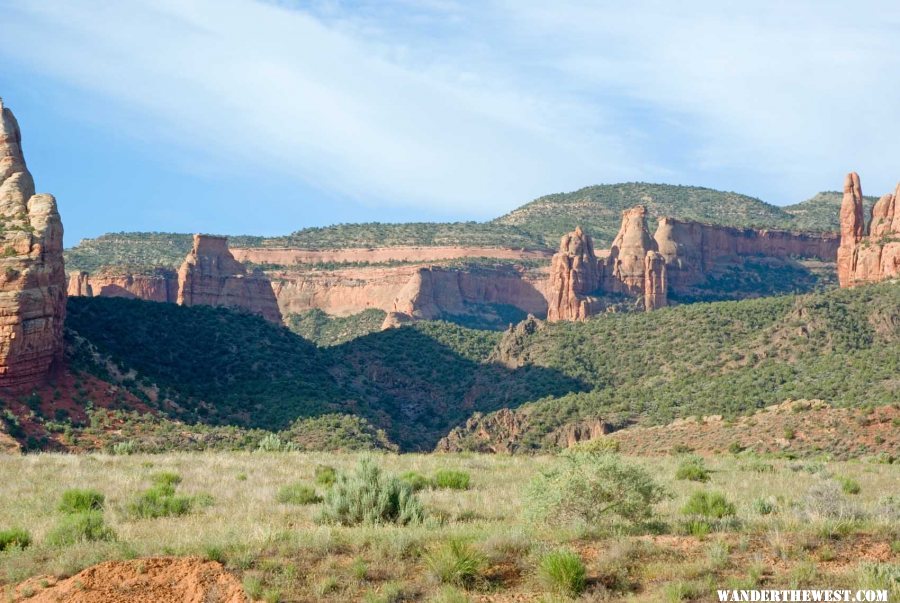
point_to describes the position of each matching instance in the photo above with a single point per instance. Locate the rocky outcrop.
(574, 273)
(873, 254)
(655, 281)
(32, 275)
(287, 256)
(211, 276)
(496, 432)
(579, 278)
(693, 249)
(509, 350)
(160, 286)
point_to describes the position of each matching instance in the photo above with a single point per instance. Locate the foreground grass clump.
(79, 501)
(298, 494)
(456, 562)
(563, 572)
(693, 469)
(14, 538)
(368, 496)
(712, 505)
(416, 480)
(325, 475)
(592, 488)
(87, 526)
(451, 479)
(161, 501)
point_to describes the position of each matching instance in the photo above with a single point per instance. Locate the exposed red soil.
(152, 580)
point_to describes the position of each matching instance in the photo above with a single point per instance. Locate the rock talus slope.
(32, 274)
(873, 254)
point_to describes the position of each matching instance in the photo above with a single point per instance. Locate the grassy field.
(795, 524)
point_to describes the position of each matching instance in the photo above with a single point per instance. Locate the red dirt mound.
(151, 580)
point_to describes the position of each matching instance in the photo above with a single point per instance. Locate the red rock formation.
(655, 281)
(578, 277)
(874, 256)
(32, 275)
(691, 249)
(626, 263)
(159, 286)
(211, 276)
(574, 273)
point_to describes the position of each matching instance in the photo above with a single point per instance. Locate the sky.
(264, 117)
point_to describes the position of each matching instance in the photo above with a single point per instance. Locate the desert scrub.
(416, 480)
(87, 526)
(692, 468)
(592, 488)
(849, 485)
(325, 475)
(14, 538)
(368, 496)
(298, 494)
(79, 501)
(563, 572)
(455, 562)
(451, 479)
(711, 505)
(160, 500)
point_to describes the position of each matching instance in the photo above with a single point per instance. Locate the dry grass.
(280, 550)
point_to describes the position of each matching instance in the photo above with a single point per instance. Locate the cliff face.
(626, 262)
(691, 249)
(32, 275)
(868, 257)
(211, 276)
(161, 286)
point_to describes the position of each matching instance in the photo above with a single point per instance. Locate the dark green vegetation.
(727, 358)
(537, 224)
(219, 369)
(324, 330)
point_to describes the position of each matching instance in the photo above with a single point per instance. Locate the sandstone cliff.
(211, 276)
(579, 278)
(868, 256)
(32, 275)
(160, 286)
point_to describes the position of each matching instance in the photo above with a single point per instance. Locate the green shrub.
(563, 572)
(416, 480)
(601, 444)
(14, 538)
(298, 494)
(325, 475)
(79, 501)
(455, 562)
(123, 448)
(764, 506)
(451, 479)
(708, 504)
(272, 443)
(159, 501)
(166, 478)
(592, 488)
(368, 496)
(86, 526)
(880, 576)
(849, 485)
(693, 469)
(450, 594)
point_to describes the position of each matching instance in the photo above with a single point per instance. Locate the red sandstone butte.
(868, 256)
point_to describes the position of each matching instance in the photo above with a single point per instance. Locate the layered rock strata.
(868, 255)
(32, 275)
(211, 276)
(160, 286)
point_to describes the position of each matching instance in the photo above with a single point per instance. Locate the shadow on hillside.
(418, 388)
(222, 367)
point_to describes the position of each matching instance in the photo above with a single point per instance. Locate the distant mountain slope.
(537, 224)
(598, 209)
(822, 211)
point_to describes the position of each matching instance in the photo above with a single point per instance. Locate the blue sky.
(235, 116)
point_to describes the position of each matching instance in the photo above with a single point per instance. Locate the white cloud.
(477, 107)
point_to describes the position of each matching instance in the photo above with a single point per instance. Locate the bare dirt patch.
(152, 580)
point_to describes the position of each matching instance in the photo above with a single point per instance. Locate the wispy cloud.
(477, 107)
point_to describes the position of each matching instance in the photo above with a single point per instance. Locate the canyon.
(868, 254)
(431, 282)
(32, 273)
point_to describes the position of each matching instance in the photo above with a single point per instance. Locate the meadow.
(477, 537)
